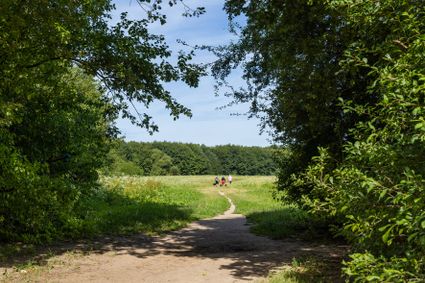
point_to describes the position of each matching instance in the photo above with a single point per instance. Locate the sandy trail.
(219, 249)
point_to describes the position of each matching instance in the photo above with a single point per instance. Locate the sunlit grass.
(155, 205)
(150, 205)
(253, 197)
(306, 270)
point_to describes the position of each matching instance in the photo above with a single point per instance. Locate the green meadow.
(150, 205)
(154, 205)
(254, 198)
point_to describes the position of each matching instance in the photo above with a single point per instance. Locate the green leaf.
(383, 193)
(386, 235)
(419, 126)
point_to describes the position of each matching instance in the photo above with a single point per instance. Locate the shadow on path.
(223, 237)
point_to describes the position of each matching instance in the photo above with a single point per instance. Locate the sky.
(208, 125)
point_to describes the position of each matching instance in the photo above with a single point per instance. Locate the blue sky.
(207, 126)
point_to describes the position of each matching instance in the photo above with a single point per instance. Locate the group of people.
(222, 181)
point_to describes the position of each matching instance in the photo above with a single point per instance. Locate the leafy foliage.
(377, 191)
(289, 51)
(303, 57)
(130, 62)
(56, 121)
(168, 158)
(51, 157)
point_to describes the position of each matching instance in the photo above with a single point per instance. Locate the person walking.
(230, 179)
(216, 181)
(223, 181)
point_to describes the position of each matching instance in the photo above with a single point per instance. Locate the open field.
(152, 206)
(253, 197)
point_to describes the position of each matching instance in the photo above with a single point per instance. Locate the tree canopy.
(66, 73)
(171, 158)
(40, 37)
(341, 83)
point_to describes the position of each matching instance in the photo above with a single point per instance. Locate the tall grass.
(253, 197)
(154, 205)
(150, 205)
(306, 270)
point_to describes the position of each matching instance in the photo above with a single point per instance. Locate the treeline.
(171, 158)
(342, 84)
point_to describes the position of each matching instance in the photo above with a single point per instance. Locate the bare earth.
(220, 249)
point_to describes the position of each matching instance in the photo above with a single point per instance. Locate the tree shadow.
(218, 238)
(290, 222)
(121, 220)
(251, 255)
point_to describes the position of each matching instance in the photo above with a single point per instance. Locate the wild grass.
(306, 270)
(253, 197)
(155, 205)
(150, 205)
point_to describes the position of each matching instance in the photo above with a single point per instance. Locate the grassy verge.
(306, 270)
(253, 197)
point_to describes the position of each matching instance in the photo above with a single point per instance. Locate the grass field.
(253, 197)
(151, 205)
(155, 205)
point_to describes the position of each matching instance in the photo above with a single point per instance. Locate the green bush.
(377, 192)
(50, 159)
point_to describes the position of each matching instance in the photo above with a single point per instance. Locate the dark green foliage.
(290, 51)
(56, 121)
(245, 160)
(40, 38)
(377, 191)
(51, 157)
(348, 76)
(168, 158)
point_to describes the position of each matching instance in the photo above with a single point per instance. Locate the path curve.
(232, 207)
(219, 249)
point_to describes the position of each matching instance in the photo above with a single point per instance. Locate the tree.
(305, 56)
(168, 158)
(55, 121)
(50, 158)
(131, 63)
(376, 191)
(162, 163)
(289, 52)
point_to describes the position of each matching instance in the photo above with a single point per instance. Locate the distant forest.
(171, 158)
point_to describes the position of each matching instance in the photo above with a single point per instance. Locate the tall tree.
(41, 37)
(55, 121)
(50, 155)
(300, 59)
(289, 52)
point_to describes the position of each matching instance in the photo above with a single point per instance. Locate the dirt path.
(220, 249)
